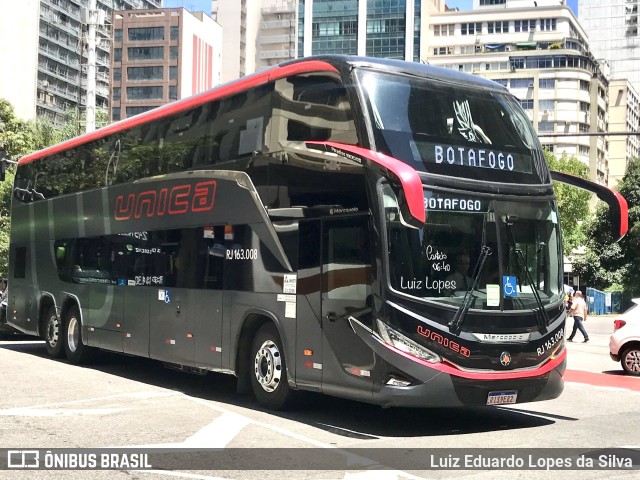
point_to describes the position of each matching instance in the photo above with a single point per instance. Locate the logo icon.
(505, 358)
(23, 459)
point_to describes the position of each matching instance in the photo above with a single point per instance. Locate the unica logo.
(176, 200)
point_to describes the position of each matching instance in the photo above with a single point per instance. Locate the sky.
(191, 5)
(467, 4)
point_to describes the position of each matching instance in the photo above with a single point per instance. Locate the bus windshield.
(502, 253)
(450, 129)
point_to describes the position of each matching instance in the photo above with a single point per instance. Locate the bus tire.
(53, 336)
(268, 370)
(77, 352)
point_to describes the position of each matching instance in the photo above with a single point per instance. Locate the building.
(614, 34)
(239, 20)
(612, 27)
(542, 55)
(45, 54)
(389, 29)
(161, 55)
(277, 33)
(260, 33)
(624, 116)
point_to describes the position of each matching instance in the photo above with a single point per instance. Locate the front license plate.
(502, 397)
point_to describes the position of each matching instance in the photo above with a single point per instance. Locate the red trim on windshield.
(185, 104)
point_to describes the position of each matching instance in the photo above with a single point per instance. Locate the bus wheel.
(269, 373)
(53, 338)
(76, 350)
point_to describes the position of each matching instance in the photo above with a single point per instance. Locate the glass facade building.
(374, 28)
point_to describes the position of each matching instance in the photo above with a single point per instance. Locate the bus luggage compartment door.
(171, 325)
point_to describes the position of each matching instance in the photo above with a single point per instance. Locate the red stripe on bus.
(624, 214)
(408, 176)
(237, 86)
(489, 375)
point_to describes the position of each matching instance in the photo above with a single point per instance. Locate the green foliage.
(573, 202)
(606, 262)
(19, 138)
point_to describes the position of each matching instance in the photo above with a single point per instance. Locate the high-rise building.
(389, 29)
(160, 56)
(614, 34)
(541, 53)
(260, 33)
(45, 54)
(239, 20)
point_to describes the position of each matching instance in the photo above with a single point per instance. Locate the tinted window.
(313, 108)
(181, 258)
(448, 129)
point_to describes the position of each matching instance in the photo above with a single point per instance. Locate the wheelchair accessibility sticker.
(164, 296)
(509, 286)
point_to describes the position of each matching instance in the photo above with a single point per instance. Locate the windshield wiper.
(456, 323)
(542, 318)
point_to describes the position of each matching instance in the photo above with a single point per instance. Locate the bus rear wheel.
(53, 338)
(268, 369)
(77, 352)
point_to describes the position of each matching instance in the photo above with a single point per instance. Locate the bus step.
(185, 368)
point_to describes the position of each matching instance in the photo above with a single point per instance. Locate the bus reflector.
(308, 353)
(170, 341)
(228, 232)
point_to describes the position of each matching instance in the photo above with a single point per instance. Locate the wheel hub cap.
(268, 366)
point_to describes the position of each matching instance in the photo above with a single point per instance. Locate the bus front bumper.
(432, 387)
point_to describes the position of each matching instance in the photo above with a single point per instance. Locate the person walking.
(579, 311)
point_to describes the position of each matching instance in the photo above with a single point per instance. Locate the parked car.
(624, 344)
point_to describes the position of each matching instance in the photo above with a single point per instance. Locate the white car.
(624, 345)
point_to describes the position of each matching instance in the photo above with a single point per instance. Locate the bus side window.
(347, 262)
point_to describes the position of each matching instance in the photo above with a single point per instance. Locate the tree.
(607, 262)
(573, 202)
(18, 138)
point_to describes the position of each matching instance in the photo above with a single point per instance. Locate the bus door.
(346, 289)
(185, 314)
(90, 270)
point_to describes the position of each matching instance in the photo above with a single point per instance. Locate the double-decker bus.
(376, 230)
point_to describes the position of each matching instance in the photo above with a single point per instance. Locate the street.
(129, 402)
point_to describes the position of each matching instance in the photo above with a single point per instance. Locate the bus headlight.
(405, 344)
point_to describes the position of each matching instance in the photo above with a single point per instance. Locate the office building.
(45, 54)
(160, 56)
(624, 116)
(260, 33)
(613, 31)
(542, 55)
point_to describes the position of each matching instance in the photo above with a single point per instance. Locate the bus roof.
(323, 63)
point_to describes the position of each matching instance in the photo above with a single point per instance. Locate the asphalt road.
(128, 402)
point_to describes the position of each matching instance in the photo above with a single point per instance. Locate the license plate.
(502, 397)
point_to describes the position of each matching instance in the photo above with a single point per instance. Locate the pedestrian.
(579, 311)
